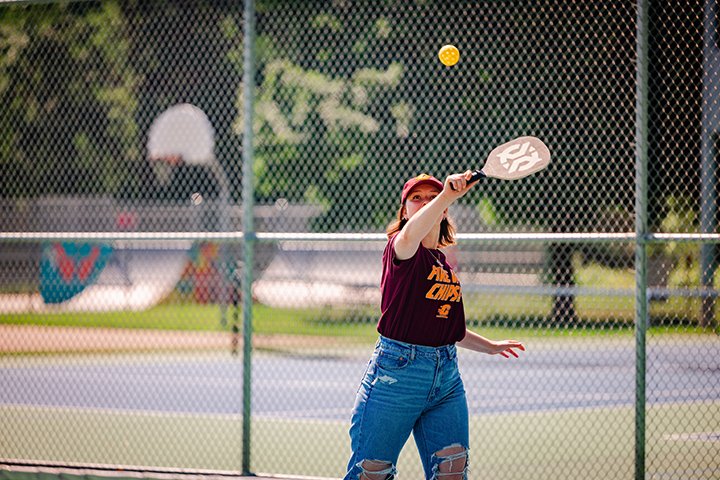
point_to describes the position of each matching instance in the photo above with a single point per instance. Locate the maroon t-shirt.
(421, 299)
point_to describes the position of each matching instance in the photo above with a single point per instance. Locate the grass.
(522, 313)
(207, 317)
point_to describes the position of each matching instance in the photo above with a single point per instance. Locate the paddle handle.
(476, 175)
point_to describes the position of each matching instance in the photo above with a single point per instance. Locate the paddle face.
(517, 158)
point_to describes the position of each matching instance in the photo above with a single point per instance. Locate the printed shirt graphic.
(421, 301)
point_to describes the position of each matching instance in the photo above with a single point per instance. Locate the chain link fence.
(136, 233)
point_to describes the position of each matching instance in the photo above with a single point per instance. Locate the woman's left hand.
(478, 343)
(507, 348)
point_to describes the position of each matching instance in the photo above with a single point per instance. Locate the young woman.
(412, 382)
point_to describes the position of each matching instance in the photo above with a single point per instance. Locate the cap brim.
(425, 181)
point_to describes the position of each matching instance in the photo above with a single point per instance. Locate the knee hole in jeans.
(452, 463)
(376, 470)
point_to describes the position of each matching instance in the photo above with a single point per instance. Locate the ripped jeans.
(409, 388)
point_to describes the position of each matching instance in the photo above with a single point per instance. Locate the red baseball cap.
(421, 179)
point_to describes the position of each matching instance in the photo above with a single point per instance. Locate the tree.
(67, 125)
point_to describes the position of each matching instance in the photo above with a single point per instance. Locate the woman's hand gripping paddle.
(515, 159)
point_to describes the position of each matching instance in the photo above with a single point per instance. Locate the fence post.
(708, 169)
(641, 229)
(248, 196)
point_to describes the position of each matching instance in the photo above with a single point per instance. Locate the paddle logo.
(519, 157)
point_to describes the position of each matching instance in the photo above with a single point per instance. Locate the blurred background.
(191, 284)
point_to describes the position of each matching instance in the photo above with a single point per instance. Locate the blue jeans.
(409, 388)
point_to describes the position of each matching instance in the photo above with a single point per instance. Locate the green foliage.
(69, 91)
(351, 101)
(319, 112)
(684, 257)
(364, 84)
(310, 126)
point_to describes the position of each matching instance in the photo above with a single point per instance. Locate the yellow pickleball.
(449, 55)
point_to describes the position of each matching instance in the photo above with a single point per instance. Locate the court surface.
(565, 375)
(158, 396)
